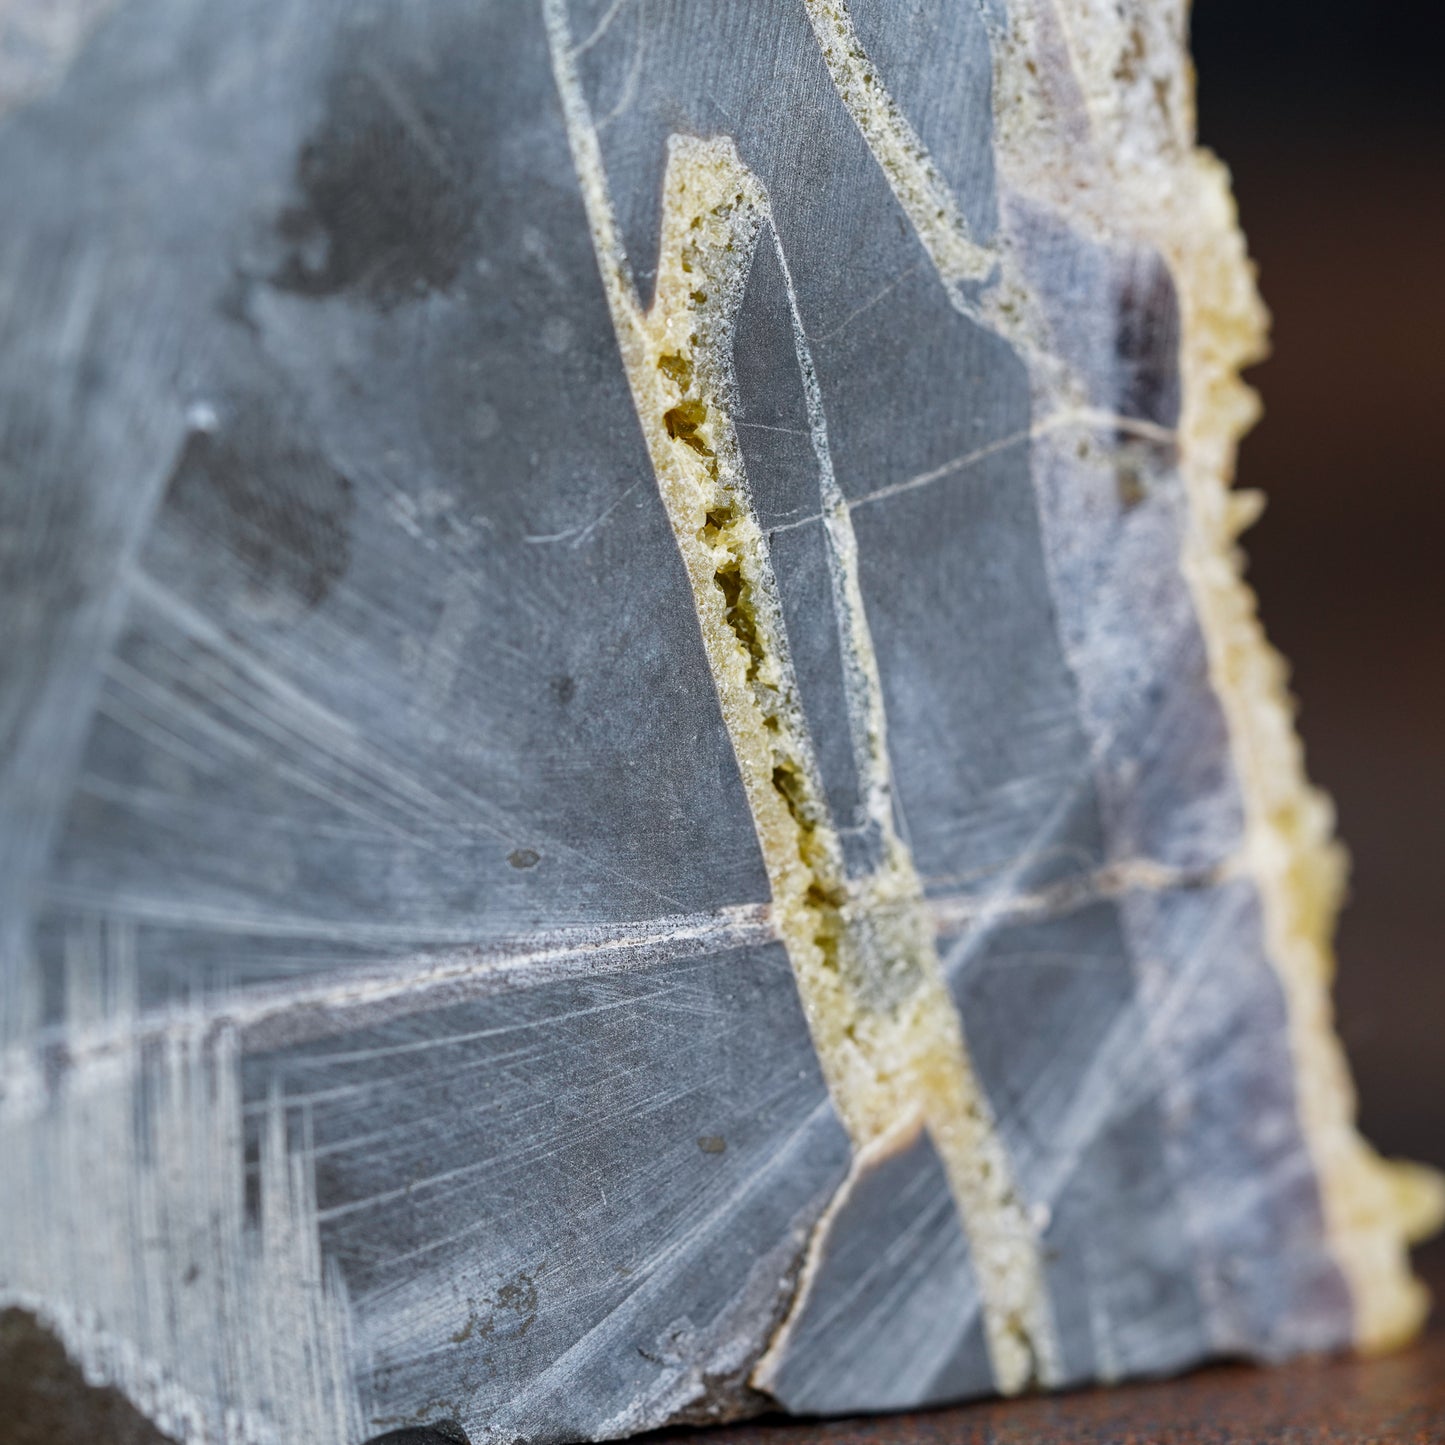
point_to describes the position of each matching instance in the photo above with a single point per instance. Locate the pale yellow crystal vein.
(1093, 115)
(862, 950)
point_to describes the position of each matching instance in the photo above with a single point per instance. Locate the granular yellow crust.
(1373, 1209)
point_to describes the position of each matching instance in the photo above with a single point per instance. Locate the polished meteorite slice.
(639, 783)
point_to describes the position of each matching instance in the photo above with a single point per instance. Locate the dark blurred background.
(1330, 119)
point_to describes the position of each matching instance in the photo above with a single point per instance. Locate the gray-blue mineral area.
(396, 1028)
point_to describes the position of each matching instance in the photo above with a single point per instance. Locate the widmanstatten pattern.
(638, 780)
